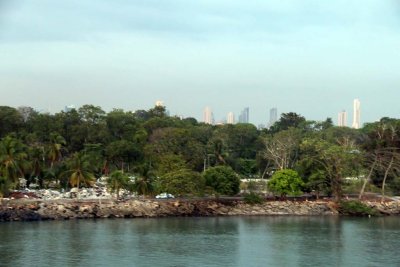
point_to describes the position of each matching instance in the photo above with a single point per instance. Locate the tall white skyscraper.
(273, 116)
(208, 116)
(356, 114)
(342, 119)
(230, 118)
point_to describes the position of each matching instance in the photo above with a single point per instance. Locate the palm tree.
(79, 171)
(36, 159)
(143, 184)
(55, 147)
(4, 186)
(13, 159)
(117, 180)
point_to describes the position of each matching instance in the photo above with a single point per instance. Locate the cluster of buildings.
(208, 117)
(342, 116)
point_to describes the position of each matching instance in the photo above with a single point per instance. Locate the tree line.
(185, 157)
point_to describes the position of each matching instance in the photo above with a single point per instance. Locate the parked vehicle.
(164, 196)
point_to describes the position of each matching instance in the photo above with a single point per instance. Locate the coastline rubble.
(34, 210)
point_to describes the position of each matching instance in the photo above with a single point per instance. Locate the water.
(233, 241)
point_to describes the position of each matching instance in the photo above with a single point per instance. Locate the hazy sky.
(310, 57)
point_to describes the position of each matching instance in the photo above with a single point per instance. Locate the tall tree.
(79, 171)
(117, 181)
(181, 182)
(13, 159)
(10, 120)
(282, 149)
(286, 121)
(56, 144)
(338, 160)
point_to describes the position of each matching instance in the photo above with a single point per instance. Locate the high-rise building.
(356, 114)
(208, 116)
(342, 119)
(159, 103)
(69, 108)
(230, 118)
(273, 116)
(244, 116)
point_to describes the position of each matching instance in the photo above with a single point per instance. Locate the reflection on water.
(238, 241)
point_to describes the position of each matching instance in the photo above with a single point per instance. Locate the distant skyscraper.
(244, 116)
(159, 103)
(208, 116)
(230, 119)
(356, 114)
(69, 108)
(273, 116)
(342, 119)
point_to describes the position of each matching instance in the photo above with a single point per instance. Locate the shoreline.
(40, 210)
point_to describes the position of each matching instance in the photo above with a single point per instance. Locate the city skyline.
(308, 57)
(208, 116)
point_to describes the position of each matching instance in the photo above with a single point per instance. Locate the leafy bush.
(253, 198)
(181, 182)
(286, 182)
(223, 180)
(357, 208)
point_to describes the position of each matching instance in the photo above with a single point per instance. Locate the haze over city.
(309, 57)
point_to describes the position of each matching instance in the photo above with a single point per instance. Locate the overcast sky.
(311, 57)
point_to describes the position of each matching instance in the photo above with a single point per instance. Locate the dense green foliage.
(181, 182)
(223, 180)
(253, 198)
(117, 181)
(286, 182)
(167, 153)
(356, 208)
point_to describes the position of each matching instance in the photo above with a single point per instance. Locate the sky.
(311, 57)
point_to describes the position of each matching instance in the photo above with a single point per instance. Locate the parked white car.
(164, 195)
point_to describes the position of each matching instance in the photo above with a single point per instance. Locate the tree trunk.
(385, 177)
(366, 180)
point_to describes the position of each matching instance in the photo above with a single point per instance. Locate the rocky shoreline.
(37, 210)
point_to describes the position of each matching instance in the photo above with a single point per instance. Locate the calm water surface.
(237, 241)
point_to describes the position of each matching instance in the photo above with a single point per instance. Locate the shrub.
(223, 180)
(357, 208)
(286, 182)
(253, 198)
(181, 182)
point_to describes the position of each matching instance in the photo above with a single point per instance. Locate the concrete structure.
(356, 114)
(208, 117)
(342, 119)
(159, 103)
(244, 116)
(273, 116)
(69, 108)
(230, 118)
